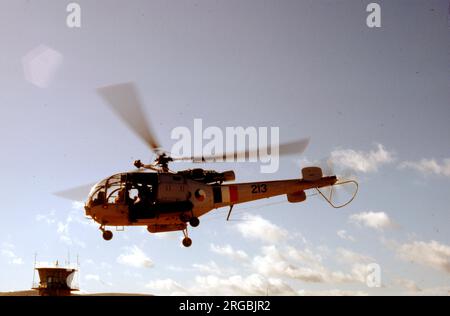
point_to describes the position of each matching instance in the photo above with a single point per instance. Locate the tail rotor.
(344, 191)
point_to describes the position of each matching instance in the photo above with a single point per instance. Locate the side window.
(133, 193)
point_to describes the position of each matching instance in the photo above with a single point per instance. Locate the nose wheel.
(107, 234)
(187, 242)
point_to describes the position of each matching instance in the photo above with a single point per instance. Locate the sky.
(375, 100)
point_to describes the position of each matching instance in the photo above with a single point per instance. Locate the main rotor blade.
(79, 193)
(294, 147)
(124, 100)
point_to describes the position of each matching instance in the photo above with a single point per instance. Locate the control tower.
(55, 281)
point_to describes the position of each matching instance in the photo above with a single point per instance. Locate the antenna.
(34, 268)
(78, 272)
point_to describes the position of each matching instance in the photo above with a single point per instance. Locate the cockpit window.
(124, 188)
(106, 191)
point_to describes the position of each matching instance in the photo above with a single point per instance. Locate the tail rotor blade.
(340, 193)
(348, 175)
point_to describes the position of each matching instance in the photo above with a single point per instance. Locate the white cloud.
(270, 273)
(362, 161)
(63, 226)
(436, 291)
(89, 261)
(428, 166)
(432, 254)
(92, 277)
(48, 218)
(105, 266)
(256, 227)
(334, 292)
(132, 274)
(135, 257)
(17, 260)
(253, 284)
(62, 229)
(7, 251)
(409, 285)
(78, 205)
(175, 268)
(306, 256)
(413, 289)
(212, 268)
(344, 235)
(308, 265)
(208, 268)
(376, 220)
(228, 251)
(166, 286)
(348, 256)
(238, 285)
(44, 264)
(13, 258)
(164, 235)
(273, 263)
(361, 271)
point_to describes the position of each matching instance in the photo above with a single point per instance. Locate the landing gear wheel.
(107, 235)
(187, 242)
(194, 221)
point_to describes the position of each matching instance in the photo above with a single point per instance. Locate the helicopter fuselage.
(169, 201)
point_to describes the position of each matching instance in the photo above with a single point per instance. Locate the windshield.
(107, 190)
(122, 188)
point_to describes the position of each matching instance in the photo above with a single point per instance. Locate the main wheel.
(107, 235)
(187, 242)
(194, 221)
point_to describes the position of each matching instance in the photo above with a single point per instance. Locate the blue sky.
(377, 100)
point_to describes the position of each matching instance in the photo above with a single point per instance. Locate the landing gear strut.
(187, 242)
(107, 234)
(190, 218)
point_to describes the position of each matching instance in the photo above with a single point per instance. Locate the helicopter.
(164, 200)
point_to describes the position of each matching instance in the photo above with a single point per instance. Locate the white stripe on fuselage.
(225, 194)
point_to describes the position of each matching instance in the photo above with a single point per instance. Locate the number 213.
(259, 188)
